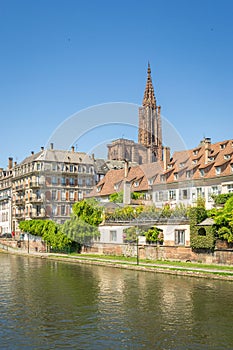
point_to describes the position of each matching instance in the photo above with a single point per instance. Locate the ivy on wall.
(201, 237)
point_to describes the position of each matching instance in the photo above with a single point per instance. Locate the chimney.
(32, 152)
(42, 148)
(207, 144)
(166, 157)
(72, 149)
(51, 145)
(15, 163)
(126, 167)
(10, 163)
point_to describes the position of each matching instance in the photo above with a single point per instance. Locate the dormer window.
(218, 170)
(162, 178)
(150, 181)
(194, 161)
(188, 174)
(182, 165)
(222, 146)
(99, 188)
(195, 152)
(175, 176)
(117, 186)
(227, 156)
(202, 172)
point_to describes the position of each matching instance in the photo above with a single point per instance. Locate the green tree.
(89, 211)
(154, 235)
(80, 231)
(48, 230)
(116, 197)
(224, 221)
(222, 198)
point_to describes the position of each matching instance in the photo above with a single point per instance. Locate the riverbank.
(168, 267)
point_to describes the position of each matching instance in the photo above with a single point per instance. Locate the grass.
(162, 263)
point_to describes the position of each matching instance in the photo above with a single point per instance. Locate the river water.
(55, 305)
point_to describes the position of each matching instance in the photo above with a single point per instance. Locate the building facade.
(6, 199)
(46, 184)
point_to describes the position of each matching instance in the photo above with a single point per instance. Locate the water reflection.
(49, 304)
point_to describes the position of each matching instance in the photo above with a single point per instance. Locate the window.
(54, 210)
(54, 166)
(162, 178)
(71, 181)
(201, 231)
(188, 174)
(175, 176)
(63, 181)
(195, 152)
(47, 167)
(63, 195)
(150, 181)
(63, 210)
(227, 156)
(172, 194)
(160, 196)
(113, 236)
(71, 195)
(80, 195)
(230, 188)
(180, 237)
(202, 172)
(200, 192)
(54, 180)
(54, 195)
(218, 170)
(88, 181)
(184, 194)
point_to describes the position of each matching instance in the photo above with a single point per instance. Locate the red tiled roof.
(182, 163)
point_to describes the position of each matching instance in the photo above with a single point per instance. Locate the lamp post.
(28, 242)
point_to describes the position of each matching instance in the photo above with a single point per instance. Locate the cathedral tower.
(149, 128)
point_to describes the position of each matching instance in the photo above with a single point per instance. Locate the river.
(56, 305)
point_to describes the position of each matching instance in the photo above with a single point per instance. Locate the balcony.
(34, 185)
(20, 201)
(19, 187)
(19, 215)
(35, 199)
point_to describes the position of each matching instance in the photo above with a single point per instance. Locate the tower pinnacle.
(149, 95)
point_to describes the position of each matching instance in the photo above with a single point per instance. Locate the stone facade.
(46, 184)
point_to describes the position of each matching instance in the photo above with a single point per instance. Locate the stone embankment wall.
(221, 255)
(34, 245)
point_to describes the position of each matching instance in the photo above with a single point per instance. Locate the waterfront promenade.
(223, 272)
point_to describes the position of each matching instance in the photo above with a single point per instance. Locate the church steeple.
(149, 95)
(149, 128)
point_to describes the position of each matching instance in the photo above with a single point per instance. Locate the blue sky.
(61, 56)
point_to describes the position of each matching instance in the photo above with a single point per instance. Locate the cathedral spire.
(149, 95)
